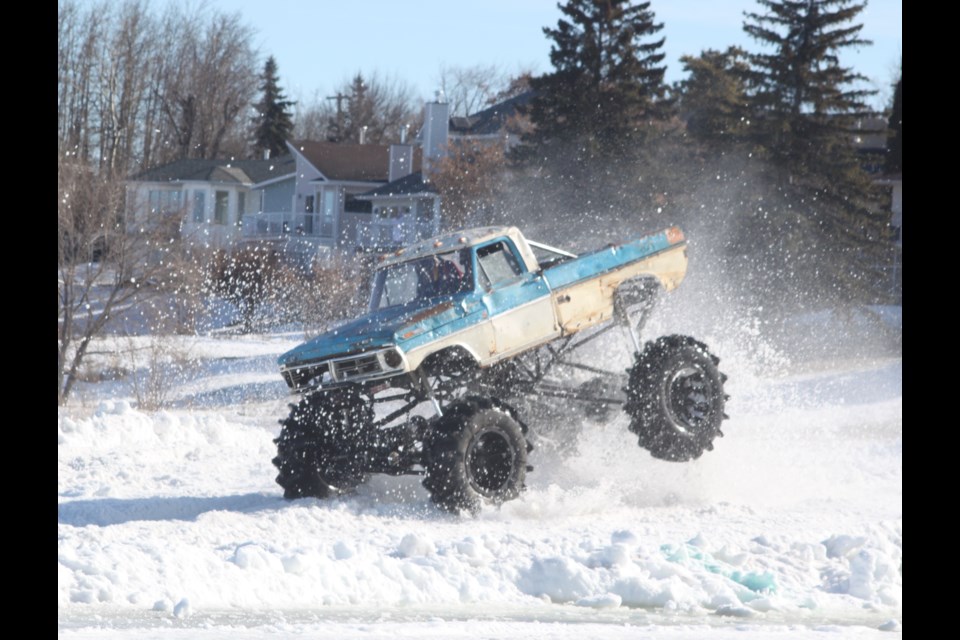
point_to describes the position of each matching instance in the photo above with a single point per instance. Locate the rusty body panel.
(590, 302)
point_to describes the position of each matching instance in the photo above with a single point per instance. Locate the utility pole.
(339, 97)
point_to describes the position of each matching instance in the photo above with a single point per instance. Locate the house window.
(388, 212)
(352, 204)
(308, 204)
(199, 206)
(425, 209)
(164, 201)
(241, 207)
(221, 199)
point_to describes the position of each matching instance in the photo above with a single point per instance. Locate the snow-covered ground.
(170, 524)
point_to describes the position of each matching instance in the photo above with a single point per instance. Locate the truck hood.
(371, 331)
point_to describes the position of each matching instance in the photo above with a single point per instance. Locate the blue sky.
(320, 43)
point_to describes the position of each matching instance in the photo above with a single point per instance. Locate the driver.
(448, 277)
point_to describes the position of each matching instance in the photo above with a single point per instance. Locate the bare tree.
(210, 83)
(78, 35)
(373, 108)
(124, 70)
(311, 117)
(136, 89)
(102, 265)
(469, 178)
(470, 89)
(133, 89)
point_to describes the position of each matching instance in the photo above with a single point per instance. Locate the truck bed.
(583, 288)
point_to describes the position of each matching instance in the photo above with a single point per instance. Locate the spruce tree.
(607, 81)
(371, 109)
(598, 117)
(361, 111)
(713, 97)
(894, 162)
(820, 215)
(273, 122)
(808, 102)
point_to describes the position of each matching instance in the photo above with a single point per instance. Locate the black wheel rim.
(490, 460)
(688, 400)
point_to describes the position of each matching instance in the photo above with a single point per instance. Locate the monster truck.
(459, 325)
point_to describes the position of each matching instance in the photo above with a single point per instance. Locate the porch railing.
(389, 233)
(285, 223)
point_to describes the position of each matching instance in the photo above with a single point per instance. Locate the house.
(401, 212)
(408, 208)
(500, 122)
(359, 198)
(212, 197)
(321, 198)
(328, 208)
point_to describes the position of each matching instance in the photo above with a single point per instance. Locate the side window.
(497, 264)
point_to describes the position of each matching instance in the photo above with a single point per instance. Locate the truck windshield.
(423, 279)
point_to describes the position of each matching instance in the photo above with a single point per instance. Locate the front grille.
(356, 367)
(304, 376)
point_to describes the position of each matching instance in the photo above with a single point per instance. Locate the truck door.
(519, 303)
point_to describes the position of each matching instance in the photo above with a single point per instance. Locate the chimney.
(401, 161)
(436, 128)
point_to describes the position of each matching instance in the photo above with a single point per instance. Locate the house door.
(329, 207)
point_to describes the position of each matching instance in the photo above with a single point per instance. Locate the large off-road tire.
(320, 450)
(476, 454)
(675, 398)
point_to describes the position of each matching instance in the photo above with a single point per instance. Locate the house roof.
(269, 169)
(353, 162)
(492, 119)
(224, 171)
(408, 185)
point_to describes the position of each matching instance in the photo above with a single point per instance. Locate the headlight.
(392, 358)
